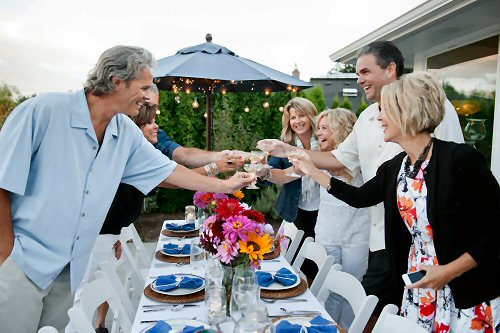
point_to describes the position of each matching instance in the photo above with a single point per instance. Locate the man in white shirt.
(364, 150)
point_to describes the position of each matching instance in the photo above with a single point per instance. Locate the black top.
(463, 208)
(125, 209)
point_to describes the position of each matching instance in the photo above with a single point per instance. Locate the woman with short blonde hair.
(341, 121)
(442, 213)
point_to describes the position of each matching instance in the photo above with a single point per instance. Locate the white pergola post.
(495, 146)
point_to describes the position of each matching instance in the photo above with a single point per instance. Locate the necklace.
(418, 163)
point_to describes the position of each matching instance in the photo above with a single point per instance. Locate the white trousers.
(353, 257)
(24, 307)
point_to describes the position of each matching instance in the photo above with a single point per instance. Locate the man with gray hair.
(63, 156)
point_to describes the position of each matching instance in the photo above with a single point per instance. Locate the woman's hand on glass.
(274, 147)
(302, 162)
(230, 162)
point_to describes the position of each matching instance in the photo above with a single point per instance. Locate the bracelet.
(329, 186)
(211, 169)
(267, 176)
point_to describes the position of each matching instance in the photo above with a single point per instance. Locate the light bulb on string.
(205, 115)
(265, 105)
(177, 99)
(195, 103)
(247, 109)
(281, 109)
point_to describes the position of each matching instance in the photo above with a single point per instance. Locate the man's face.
(131, 96)
(371, 77)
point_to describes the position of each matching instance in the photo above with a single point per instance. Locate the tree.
(336, 102)
(9, 99)
(316, 95)
(362, 106)
(346, 104)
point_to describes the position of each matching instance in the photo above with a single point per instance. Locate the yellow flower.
(256, 246)
(239, 195)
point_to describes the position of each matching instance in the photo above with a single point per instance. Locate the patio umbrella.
(211, 68)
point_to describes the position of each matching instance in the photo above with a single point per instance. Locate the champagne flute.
(257, 156)
(291, 154)
(252, 168)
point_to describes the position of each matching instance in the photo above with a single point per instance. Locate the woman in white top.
(340, 228)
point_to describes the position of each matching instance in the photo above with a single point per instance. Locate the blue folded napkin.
(176, 249)
(163, 327)
(169, 282)
(283, 276)
(178, 227)
(318, 325)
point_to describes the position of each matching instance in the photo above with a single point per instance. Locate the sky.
(48, 45)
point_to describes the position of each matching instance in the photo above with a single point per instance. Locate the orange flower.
(407, 210)
(239, 195)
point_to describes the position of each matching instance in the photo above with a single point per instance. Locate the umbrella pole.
(210, 120)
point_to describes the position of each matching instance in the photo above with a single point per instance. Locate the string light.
(267, 92)
(177, 99)
(266, 105)
(281, 109)
(247, 109)
(195, 103)
(188, 91)
(205, 115)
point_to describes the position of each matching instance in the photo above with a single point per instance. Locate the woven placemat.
(196, 297)
(287, 293)
(166, 258)
(272, 255)
(168, 233)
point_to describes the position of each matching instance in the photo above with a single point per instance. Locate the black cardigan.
(463, 208)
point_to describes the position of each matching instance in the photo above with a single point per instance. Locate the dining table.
(145, 318)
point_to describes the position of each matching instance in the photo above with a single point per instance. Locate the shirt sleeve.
(147, 166)
(347, 153)
(165, 144)
(17, 144)
(449, 129)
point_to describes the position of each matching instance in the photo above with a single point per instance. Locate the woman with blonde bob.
(298, 201)
(340, 228)
(442, 203)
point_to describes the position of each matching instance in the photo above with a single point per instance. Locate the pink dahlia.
(237, 226)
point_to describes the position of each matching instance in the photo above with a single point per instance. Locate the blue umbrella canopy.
(211, 68)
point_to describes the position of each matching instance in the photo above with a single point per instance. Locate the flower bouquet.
(235, 234)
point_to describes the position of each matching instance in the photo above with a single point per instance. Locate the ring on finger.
(230, 162)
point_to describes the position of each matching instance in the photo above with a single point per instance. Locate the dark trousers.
(306, 221)
(379, 281)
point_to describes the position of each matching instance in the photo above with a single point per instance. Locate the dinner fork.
(291, 300)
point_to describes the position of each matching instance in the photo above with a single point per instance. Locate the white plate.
(179, 291)
(303, 321)
(181, 231)
(279, 286)
(180, 255)
(178, 325)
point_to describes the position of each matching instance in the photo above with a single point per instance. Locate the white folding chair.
(317, 253)
(137, 256)
(295, 235)
(127, 288)
(390, 322)
(48, 329)
(94, 294)
(350, 288)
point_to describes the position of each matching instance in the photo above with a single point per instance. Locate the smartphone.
(413, 277)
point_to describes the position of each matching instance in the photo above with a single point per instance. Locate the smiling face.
(371, 77)
(392, 131)
(130, 96)
(300, 123)
(150, 131)
(325, 134)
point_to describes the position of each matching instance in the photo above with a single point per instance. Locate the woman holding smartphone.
(442, 203)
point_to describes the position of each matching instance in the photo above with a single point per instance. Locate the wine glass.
(252, 168)
(257, 156)
(474, 131)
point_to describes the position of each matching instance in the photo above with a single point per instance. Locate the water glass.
(244, 277)
(196, 254)
(243, 295)
(214, 272)
(215, 304)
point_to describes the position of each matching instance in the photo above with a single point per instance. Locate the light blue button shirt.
(62, 184)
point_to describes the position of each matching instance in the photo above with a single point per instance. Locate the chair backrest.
(137, 255)
(295, 235)
(317, 253)
(347, 286)
(94, 294)
(48, 329)
(390, 322)
(127, 288)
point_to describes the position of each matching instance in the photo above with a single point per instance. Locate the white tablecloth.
(160, 268)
